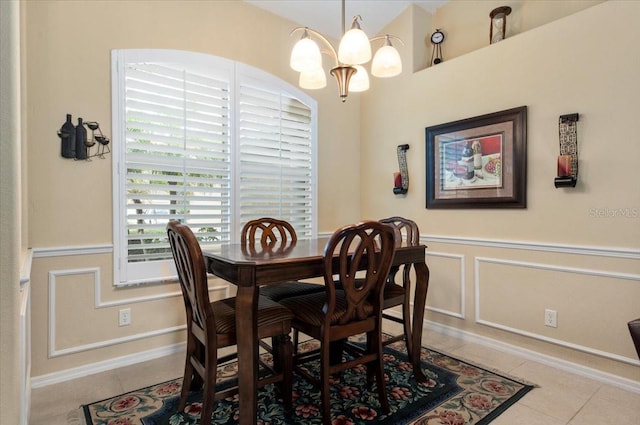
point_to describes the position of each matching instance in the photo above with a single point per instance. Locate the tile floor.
(560, 399)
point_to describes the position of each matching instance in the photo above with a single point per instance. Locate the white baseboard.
(103, 366)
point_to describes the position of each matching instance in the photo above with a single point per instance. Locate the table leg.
(419, 303)
(247, 336)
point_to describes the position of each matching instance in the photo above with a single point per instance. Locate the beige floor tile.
(617, 395)
(432, 339)
(562, 394)
(488, 357)
(601, 411)
(61, 419)
(58, 399)
(519, 414)
(440, 342)
(152, 372)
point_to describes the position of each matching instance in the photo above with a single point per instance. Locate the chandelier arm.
(331, 50)
(382, 37)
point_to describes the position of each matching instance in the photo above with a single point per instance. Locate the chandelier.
(354, 51)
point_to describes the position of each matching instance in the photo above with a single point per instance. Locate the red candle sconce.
(568, 159)
(401, 178)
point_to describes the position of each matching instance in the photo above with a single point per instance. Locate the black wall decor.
(67, 134)
(401, 179)
(75, 143)
(568, 159)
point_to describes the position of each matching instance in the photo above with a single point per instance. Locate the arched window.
(207, 141)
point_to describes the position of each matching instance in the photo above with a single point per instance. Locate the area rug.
(456, 393)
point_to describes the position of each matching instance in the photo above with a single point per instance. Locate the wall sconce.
(498, 27)
(76, 145)
(568, 159)
(401, 179)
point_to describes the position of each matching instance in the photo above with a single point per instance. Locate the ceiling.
(325, 16)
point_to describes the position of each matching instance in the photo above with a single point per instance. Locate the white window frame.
(240, 75)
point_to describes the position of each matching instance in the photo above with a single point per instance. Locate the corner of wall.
(421, 28)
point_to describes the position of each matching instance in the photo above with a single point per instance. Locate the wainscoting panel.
(446, 284)
(594, 290)
(84, 284)
(512, 283)
(576, 294)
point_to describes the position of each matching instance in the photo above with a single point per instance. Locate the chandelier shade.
(306, 56)
(313, 80)
(360, 80)
(354, 48)
(354, 51)
(386, 63)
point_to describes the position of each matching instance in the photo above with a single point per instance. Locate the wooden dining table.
(250, 269)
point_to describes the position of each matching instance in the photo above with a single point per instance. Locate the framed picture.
(478, 162)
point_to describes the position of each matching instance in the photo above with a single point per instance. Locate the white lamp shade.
(305, 56)
(313, 80)
(387, 62)
(354, 47)
(360, 80)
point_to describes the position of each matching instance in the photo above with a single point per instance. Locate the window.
(209, 142)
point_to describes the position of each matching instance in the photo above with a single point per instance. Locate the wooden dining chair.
(265, 236)
(212, 325)
(359, 257)
(400, 294)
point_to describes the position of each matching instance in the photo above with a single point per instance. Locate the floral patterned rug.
(456, 393)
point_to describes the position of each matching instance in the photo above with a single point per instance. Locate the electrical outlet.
(551, 318)
(124, 317)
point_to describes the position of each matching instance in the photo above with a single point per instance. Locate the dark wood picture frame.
(499, 176)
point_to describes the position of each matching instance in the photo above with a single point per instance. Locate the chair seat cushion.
(283, 290)
(309, 308)
(393, 294)
(269, 312)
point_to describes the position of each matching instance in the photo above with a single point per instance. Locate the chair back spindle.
(268, 231)
(369, 244)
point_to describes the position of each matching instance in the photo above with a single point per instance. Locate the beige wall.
(75, 306)
(494, 272)
(554, 69)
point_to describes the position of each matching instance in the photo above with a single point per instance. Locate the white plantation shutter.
(185, 138)
(276, 162)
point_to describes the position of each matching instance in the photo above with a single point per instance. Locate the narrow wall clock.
(436, 39)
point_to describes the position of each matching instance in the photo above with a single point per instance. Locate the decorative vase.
(67, 135)
(81, 140)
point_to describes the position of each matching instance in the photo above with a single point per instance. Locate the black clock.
(437, 37)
